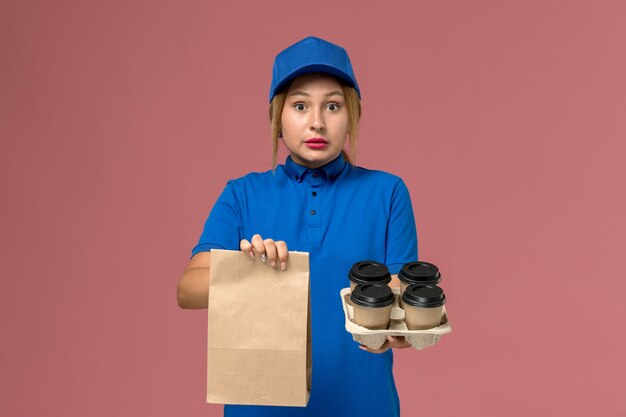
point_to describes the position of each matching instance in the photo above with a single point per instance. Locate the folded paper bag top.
(259, 336)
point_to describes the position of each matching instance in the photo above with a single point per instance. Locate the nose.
(317, 120)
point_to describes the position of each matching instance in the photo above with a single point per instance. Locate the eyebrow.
(302, 93)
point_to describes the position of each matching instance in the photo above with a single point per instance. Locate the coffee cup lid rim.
(380, 295)
(425, 296)
(356, 276)
(431, 274)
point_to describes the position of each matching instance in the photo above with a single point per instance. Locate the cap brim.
(309, 69)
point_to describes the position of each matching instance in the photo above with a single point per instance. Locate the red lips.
(316, 143)
(316, 140)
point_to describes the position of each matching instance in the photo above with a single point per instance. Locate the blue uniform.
(340, 214)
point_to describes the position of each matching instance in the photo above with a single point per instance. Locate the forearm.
(193, 288)
(395, 281)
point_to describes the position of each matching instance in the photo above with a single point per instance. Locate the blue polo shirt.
(340, 214)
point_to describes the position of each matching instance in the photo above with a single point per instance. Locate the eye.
(299, 106)
(333, 107)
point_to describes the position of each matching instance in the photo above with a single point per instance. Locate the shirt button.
(313, 193)
(312, 212)
(315, 175)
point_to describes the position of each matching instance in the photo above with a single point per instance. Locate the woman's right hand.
(275, 251)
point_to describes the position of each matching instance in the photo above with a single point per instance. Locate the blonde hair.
(353, 106)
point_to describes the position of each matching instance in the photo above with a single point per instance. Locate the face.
(314, 120)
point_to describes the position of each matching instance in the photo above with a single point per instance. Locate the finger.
(398, 342)
(246, 246)
(283, 253)
(395, 339)
(385, 347)
(270, 250)
(376, 351)
(257, 245)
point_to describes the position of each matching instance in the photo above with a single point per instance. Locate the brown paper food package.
(259, 331)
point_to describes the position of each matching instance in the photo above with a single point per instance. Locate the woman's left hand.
(398, 342)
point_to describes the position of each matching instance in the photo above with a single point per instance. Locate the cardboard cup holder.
(374, 339)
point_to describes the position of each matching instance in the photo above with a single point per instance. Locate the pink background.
(121, 121)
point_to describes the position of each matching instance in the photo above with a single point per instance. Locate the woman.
(317, 202)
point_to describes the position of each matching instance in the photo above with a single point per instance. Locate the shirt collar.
(331, 169)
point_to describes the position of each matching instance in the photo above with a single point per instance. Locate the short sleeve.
(224, 226)
(401, 231)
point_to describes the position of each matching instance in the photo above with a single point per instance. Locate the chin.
(317, 158)
(322, 160)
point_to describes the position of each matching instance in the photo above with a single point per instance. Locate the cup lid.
(372, 295)
(367, 272)
(420, 272)
(424, 296)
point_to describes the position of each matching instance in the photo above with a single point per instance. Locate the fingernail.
(283, 265)
(362, 348)
(251, 253)
(273, 264)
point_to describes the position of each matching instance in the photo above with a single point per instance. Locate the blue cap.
(312, 55)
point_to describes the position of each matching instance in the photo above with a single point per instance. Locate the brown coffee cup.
(372, 304)
(419, 273)
(423, 306)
